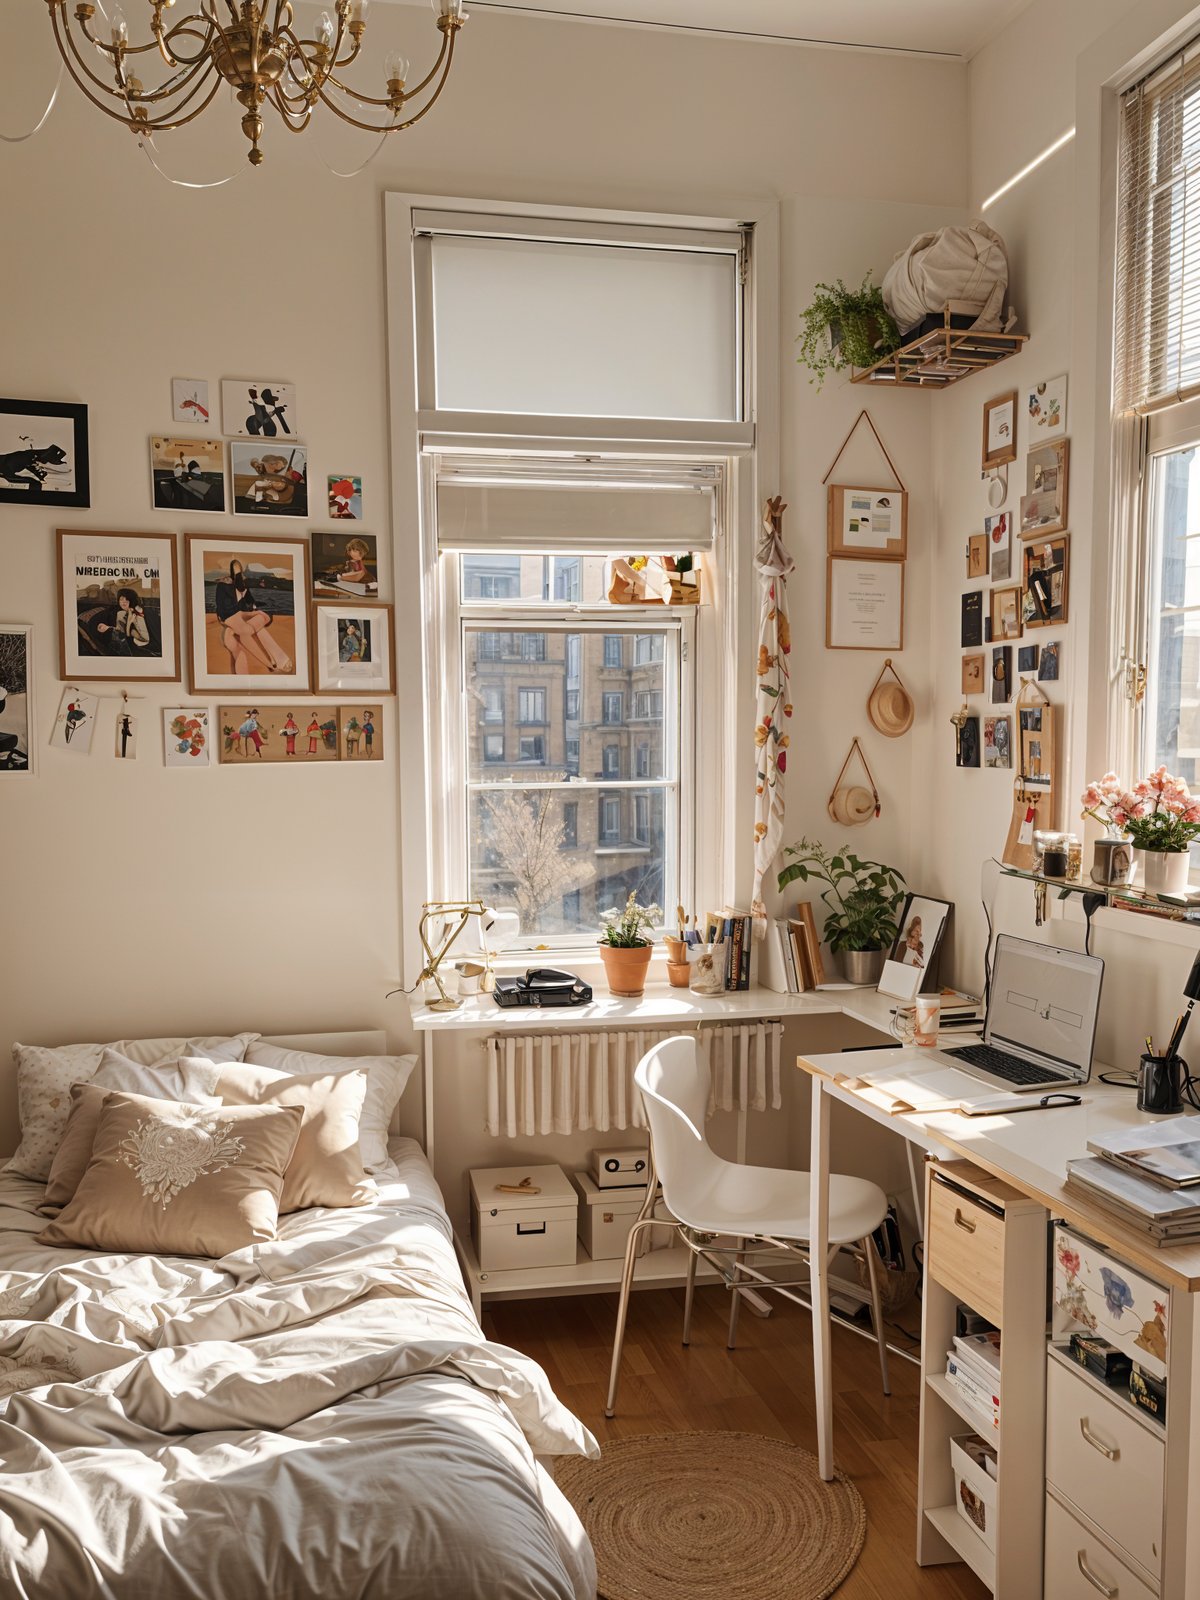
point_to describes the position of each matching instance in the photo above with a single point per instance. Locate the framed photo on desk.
(915, 947)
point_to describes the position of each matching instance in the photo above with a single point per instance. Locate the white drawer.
(1080, 1567)
(1107, 1462)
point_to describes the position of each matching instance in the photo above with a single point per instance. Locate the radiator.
(540, 1083)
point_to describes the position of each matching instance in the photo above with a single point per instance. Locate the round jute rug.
(714, 1516)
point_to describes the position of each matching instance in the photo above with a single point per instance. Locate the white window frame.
(722, 852)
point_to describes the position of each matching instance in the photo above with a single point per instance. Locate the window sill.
(1138, 925)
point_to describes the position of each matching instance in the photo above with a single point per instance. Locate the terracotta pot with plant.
(626, 945)
(845, 328)
(863, 904)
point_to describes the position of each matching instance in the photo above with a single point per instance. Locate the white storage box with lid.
(523, 1230)
(607, 1215)
(974, 1485)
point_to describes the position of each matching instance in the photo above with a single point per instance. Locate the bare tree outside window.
(528, 832)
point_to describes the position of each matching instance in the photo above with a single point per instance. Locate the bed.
(319, 1416)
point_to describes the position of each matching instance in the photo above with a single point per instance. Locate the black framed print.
(44, 454)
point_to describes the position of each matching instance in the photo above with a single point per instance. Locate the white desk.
(1029, 1151)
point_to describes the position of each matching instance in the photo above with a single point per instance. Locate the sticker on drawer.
(1097, 1294)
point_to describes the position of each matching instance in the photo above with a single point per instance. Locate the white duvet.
(318, 1417)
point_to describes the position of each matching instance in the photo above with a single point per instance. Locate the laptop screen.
(1044, 1001)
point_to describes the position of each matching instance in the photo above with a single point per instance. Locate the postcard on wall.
(864, 604)
(76, 721)
(269, 480)
(189, 400)
(362, 733)
(1000, 430)
(352, 647)
(17, 718)
(977, 556)
(1048, 664)
(1044, 503)
(258, 408)
(972, 619)
(296, 733)
(1046, 408)
(998, 532)
(345, 564)
(1006, 613)
(997, 742)
(1001, 674)
(1027, 658)
(118, 606)
(125, 745)
(186, 737)
(43, 453)
(187, 474)
(966, 749)
(1044, 570)
(345, 497)
(972, 674)
(248, 612)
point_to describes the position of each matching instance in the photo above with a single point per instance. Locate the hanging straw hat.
(852, 805)
(889, 705)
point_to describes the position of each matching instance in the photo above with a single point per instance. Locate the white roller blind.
(582, 328)
(577, 515)
(1157, 334)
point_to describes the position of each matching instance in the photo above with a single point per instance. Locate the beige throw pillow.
(386, 1078)
(326, 1168)
(179, 1180)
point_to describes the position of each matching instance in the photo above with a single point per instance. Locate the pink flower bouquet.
(1158, 813)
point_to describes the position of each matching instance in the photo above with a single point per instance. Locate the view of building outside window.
(571, 764)
(1172, 728)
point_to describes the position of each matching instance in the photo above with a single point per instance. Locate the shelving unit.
(937, 354)
(986, 1249)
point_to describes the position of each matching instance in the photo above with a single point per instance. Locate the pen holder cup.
(706, 973)
(1160, 1085)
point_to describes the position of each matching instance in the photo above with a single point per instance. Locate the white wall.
(140, 900)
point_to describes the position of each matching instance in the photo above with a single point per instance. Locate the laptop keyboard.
(1002, 1065)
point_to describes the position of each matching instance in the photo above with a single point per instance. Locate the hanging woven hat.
(889, 705)
(850, 804)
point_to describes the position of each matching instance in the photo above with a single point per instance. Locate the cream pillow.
(179, 1180)
(386, 1078)
(174, 1081)
(45, 1074)
(326, 1168)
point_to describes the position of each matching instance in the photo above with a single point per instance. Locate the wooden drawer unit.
(1079, 1566)
(965, 1243)
(1104, 1459)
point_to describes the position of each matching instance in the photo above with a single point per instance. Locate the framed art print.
(44, 453)
(118, 606)
(17, 717)
(1006, 613)
(1044, 503)
(914, 949)
(361, 733)
(187, 474)
(1046, 409)
(977, 556)
(864, 604)
(247, 604)
(1000, 430)
(352, 647)
(972, 674)
(258, 408)
(867, 522)
(345, 563)
(997, 741)
(269, 480)
(1045, 569)
(296, 733)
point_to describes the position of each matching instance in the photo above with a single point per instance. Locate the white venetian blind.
(1157, 334)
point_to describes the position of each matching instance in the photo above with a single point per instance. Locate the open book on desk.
(900, 1089)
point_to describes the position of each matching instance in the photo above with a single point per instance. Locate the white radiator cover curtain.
(539, 1083)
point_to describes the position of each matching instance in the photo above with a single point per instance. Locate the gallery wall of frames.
(274, 629)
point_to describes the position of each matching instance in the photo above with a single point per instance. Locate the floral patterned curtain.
(773, 703)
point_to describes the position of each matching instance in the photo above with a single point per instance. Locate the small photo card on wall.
(186, 737)
(1002, 674)
(998, 533)
(1046, 409)
(258, 408)
(189, 400)
(997, 741)
(187, 474)
(17, 719)
(345, 497)
(76, 721)
(972, 619)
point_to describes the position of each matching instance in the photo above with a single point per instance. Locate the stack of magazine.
(1149, 1177)
(973, 1367)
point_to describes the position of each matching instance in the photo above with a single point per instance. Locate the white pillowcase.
(190, 1080)
(45, 1074)
(386, 1078)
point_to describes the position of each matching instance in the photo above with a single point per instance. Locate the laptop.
(1040, 1027)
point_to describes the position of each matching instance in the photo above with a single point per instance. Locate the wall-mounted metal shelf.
(938, 353)
(1125, 896)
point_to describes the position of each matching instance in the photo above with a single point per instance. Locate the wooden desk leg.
(818, 1254)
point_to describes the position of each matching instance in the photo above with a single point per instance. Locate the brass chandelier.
(254, 48)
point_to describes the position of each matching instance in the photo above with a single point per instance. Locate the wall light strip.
(1050, 149)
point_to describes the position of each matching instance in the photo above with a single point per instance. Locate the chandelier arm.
(110, 50)
(174, 86)
(286, 117)
(83, 65)
(409, 94)
(120, 92)
(122, 117)
(181, 122)
(392, 127)
(184, 29)
(193, 89)
(447, 47)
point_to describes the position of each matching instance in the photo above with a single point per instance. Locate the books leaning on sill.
(791, 959)
(973, 1367)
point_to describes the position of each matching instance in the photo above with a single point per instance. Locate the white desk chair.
(763, 1208)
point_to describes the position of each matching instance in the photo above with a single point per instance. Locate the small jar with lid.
(1055, 855)
(1074, 858)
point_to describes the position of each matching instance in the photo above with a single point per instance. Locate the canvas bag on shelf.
(964, 270)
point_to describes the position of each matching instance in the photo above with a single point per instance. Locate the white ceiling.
(955, 28)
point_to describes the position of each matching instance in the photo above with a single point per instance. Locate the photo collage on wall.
(248, 613)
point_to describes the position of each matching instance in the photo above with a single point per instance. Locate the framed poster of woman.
(248, 604)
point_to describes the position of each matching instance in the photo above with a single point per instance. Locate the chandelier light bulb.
(325, 31)
(448, 8)
(396, 67)
(120, 28)
(359, 9)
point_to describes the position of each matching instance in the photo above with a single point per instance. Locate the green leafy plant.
(845, 328)
(863, 900)
(628, 929)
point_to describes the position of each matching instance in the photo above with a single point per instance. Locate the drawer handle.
(1110, 1591)
(522, 1230)
(1105, 1450)
(963, 1222)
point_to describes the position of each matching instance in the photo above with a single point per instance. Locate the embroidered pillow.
(179, 1081)
(386, 1078)
(326, 1168)
(179, 1180)
(45, 1074)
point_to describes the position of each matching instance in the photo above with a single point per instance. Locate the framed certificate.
(864, 604)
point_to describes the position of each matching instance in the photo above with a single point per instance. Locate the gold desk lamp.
(454, 916)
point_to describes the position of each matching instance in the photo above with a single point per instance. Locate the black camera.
(540, 987)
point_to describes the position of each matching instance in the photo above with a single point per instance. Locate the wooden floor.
(765, 1386)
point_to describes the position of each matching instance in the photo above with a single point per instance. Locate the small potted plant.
(626, 945)
(845, 328)
(863, 904)
(1160, 815)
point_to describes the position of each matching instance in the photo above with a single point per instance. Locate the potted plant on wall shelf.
(1160, 815)
(845, 328)
(863, 904)
(626, 945)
